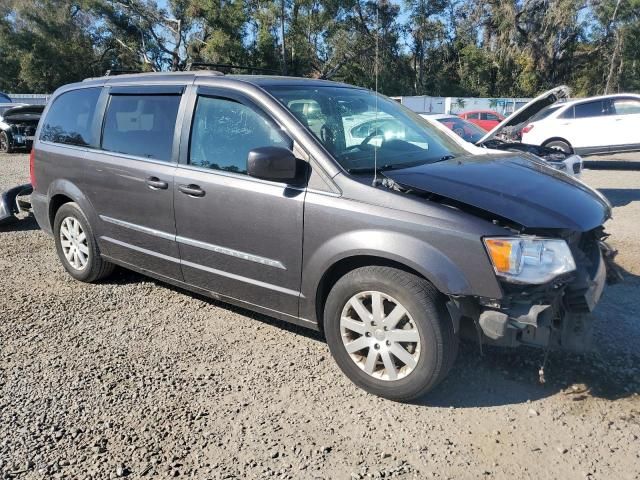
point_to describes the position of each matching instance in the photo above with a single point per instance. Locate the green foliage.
(435, 47)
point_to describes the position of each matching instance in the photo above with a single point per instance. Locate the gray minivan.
(324, 205)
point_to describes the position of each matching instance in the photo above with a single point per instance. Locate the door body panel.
(242, 239)
(136, 219)
(132, 188)
(626, 115)
(591, 127)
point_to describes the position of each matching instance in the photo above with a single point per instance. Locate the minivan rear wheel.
(76, 245)
(389, 332)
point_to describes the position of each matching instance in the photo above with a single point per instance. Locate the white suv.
(603, 124)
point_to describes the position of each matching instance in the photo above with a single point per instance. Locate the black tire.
(426, 306)
(5, 144)
(560, 145)
(96, 268)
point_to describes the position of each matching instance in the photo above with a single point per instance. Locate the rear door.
(132, 176)
(625, 113)
(238, 236)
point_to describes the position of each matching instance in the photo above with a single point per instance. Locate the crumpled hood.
(515, 187)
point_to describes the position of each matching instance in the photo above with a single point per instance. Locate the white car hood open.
(521, 116)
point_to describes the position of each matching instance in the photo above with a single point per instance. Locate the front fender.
(444, 272)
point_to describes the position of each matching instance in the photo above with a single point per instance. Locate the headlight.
(529, 259)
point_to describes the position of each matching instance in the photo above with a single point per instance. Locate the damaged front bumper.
(11, 202)
(556, 315)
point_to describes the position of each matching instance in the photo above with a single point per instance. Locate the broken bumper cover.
(11, 204)
(560, 318)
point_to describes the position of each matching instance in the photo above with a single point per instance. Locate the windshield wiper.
(387, 167)
(382, 168)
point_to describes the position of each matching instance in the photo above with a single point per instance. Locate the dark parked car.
(18, 125)
(248, 189)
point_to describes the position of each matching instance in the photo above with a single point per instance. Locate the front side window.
(626, 106)
(224, 131)
(141, 125)
(589, 109)
(70, 118)
(359, 128)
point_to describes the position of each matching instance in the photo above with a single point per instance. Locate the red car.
(485, 119)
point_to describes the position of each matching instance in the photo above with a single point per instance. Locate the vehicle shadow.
(610, 371)
(122, 276)
(619, 197)
(501, 377)
(23, 224)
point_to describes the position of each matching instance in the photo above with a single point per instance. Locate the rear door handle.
(191, 190)
(156, 184)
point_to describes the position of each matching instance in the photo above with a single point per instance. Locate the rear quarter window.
(70, 118)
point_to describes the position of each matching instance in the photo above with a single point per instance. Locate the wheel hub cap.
(379, 335)
(74, 243)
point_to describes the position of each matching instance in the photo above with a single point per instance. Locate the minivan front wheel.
(389, 332)
(76, 245)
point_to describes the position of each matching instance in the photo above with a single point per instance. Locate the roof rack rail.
(205, 65)
(113, 72)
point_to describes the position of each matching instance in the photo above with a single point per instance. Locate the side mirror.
(277, 164)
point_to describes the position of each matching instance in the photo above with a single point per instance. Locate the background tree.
(458, 48)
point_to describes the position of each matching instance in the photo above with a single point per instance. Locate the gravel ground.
(133, 378)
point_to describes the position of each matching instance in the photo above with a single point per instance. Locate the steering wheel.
(365, 143)
(460, 132)
(326, 135)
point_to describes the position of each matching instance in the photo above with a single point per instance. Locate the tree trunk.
(282, 25)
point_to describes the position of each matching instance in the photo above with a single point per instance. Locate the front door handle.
(191, 190)
(156, 184)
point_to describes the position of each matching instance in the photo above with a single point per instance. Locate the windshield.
(354, 129)
(467, 130)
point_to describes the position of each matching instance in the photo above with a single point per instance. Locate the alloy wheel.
(74, 243)
(379, 335)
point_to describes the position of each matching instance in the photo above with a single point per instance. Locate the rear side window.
(70, 118)
(626, 106)
(224, 131)
(473, 116)
(141, 125)
(589, 109)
